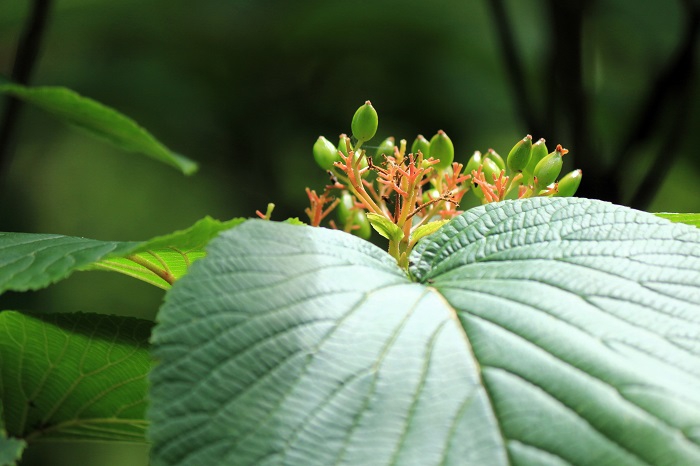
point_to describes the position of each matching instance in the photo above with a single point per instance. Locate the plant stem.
(164, 274)
(25, 58)
(515, 68)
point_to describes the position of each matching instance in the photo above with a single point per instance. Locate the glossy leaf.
(32, 261)
(99, 120)
(689, 219)
(542, 331)
(74, 376)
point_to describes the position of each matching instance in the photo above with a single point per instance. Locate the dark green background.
(246, 87)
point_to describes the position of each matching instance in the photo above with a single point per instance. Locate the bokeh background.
(245, 88)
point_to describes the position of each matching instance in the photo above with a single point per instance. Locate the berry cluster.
(406, 195)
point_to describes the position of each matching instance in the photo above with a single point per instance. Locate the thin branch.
(676, 80)
(668, 152)
(25, 58)
(514, 67)
(673, 80)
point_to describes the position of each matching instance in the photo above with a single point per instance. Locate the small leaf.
(32, 261)
(689, 219)
(74, 376)
(99, 120)
(385, 227)
(10, 448)
(427, 229)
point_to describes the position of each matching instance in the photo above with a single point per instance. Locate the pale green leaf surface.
(578, 342)
(99, 120)
(32, 261)
(309, 346)
(689, 219)
(585, 318)
(74, 376)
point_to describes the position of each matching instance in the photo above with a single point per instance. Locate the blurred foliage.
(246, 87)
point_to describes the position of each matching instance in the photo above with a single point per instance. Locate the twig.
(25, 58)
(676, 79)
(514, 66)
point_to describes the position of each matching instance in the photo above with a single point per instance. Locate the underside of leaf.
(74, 376)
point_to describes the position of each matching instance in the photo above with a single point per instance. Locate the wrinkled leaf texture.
(535, 332)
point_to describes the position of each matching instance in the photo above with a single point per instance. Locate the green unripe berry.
(386, 147)
(490, 169)
(569, 184)
(420, 144)
(474, 162)
(539, 151)
(442, 149)
(493, 155)
(548, 169)
(348, 215)
(345, 207)
(325, 153)
(473, 165)
(365, 122)
(365, 229)
(519, 155)
(343, 144)
(343, 147)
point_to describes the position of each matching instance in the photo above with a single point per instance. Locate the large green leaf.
(74, 376)
(31, 261)
(99, 120)
(540, 332)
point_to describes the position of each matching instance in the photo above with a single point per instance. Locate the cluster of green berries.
(398, 192)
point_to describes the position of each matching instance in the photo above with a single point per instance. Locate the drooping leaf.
(99, 120)
(74, 376)
(32, 261)
(544, 331)
(690, 219)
